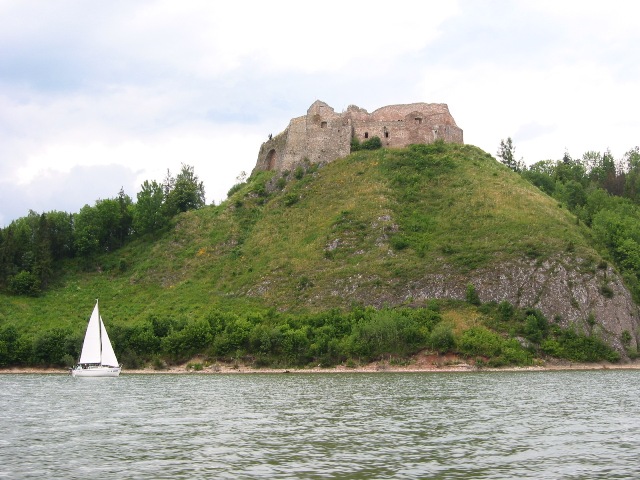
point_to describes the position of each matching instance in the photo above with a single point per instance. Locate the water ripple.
(570, 425)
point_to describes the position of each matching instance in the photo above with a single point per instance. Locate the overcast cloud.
(97, 96)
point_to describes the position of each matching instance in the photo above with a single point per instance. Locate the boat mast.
(99, 331)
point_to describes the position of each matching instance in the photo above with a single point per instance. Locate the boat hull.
(96, 372)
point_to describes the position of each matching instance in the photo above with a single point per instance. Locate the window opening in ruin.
(418, 120)
(386, 134)
(366, 134)
(271, 159)
(323, 125)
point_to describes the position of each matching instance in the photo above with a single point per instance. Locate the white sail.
(108, 355)
(91, 347)
(97, 358)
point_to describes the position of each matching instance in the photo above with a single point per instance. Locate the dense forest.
(32, 247)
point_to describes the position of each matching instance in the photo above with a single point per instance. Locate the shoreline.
(423, 365)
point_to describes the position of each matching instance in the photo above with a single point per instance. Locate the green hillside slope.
(381, 228)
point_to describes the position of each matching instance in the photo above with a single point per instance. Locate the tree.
(105, 226)
(573, 194)
(168, 183)
(52, 346)
(14, 348)
(148, 214)
(507, 155)
(604, 172)
(632, 179)
(43, 261)
(570, 169)
(187, 192)
(61, 234)
(541, 174)
(125, 218)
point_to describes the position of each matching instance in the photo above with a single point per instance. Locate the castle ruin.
(323, 135)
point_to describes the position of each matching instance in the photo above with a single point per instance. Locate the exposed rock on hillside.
(568, 291)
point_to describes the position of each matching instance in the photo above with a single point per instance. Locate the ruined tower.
(323, 135)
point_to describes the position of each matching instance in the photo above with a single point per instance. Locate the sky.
(98, 96)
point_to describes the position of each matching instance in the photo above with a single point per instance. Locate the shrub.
(158, 363)
(295, 346)
(441, 337)
(606, 291)
(304, 283)
(472, 295)
(385, 332)
(505, 310)
(480, 341)
(53, 347)
(577, 347)
(373, 143)
(193, 338)
(234, 189)
(399, 242)
(290, 199)
(536, 326)
(513, 354)
(553, 348)
(25, 283)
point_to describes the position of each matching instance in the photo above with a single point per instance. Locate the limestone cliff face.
(564, 289)
(322, 135)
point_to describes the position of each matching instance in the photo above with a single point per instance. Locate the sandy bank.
(423, 363)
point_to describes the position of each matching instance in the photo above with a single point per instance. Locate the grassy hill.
(383, 228)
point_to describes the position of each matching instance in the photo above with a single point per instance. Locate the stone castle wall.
(323, 135)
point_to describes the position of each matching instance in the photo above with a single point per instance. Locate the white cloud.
(574, 107)
(109, 94)
(293, 36)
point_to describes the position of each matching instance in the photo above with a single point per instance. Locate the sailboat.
(97, 358)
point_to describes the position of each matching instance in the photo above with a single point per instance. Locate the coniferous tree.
(507, 155)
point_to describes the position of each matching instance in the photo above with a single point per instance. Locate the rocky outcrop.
(568, 291)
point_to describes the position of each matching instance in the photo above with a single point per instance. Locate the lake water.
(538, 425)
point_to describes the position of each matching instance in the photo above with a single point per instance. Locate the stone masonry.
(323, 135)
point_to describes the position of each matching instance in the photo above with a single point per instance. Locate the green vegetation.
(604, 194)
(33, 246)
(372, 143)
(359, 335)
(286, 270)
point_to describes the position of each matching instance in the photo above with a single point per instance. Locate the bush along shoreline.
(487, 335)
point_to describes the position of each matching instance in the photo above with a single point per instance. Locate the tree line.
(604, 194)
(32, 246)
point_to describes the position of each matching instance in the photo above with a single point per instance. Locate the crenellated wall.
(323, 135)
